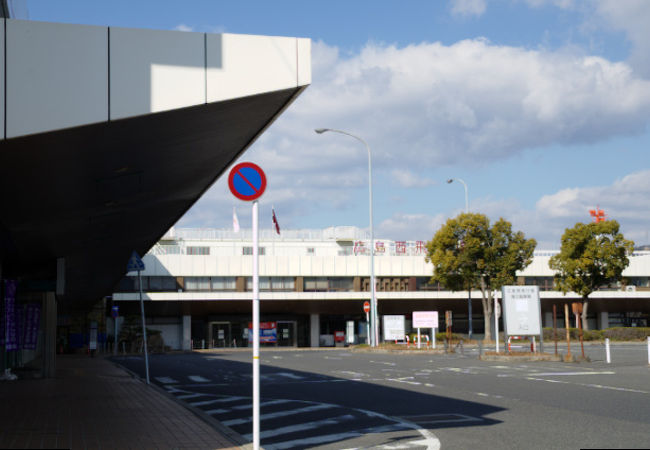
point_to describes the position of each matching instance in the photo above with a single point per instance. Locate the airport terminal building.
(197, 288)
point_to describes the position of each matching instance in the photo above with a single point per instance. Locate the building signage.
(521, 311)
(393, 328)
(268, 332)
(425, 319)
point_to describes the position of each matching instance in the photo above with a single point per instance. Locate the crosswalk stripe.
(166, 380)
(186, 396)
(302, 427)
(275, 415)
(273, 402)
(198, 378)
(217, 400)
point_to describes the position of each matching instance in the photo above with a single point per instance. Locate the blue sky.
(540, 106)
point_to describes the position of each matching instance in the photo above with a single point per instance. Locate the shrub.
(627, 333)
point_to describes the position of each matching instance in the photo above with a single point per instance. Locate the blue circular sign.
(247, 181)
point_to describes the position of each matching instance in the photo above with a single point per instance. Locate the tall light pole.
(451, 180)
(469, 288)
(373, 298)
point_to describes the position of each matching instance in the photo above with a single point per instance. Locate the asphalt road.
(341, 399)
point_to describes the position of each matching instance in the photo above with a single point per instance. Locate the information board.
(522, 315)
(425, 319)
(393, 328)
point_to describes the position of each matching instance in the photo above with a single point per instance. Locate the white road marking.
(614, 388)
(198, 378)
(404, 380)
(546, 374)
(166, 380)
(305, 442)
(218, 400)
(384, 362)
(289, 375)
(274, 415)
(186, 396)
(272, 402)
(302, 427)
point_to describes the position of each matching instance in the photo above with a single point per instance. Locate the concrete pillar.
(548, 319)
(314, 330)
(186, 343)
(603, 320)
(49, 335)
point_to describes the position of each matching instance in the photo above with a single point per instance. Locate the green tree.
(468, 253)
(592, 255)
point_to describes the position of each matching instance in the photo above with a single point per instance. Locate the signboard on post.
(393, 328)
(522, 314)
(425, 319)
(247, 182)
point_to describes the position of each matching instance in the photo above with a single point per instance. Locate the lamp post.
(469, 288)
(373, 299)
(451, 180)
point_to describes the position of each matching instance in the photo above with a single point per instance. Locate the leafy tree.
(592, 255)
(466, 252)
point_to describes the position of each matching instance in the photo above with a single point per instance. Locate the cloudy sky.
(540, 106)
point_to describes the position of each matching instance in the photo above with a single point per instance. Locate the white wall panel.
(240, 65)
(304, 61)
(155, 70)
(57, 76)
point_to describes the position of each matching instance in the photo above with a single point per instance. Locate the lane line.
(555, 374)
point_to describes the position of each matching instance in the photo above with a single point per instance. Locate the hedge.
(614, 334)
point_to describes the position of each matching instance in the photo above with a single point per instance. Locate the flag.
(235, 221)
(275, 221)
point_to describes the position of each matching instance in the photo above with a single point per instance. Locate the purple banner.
(31, 326)
(11, 329)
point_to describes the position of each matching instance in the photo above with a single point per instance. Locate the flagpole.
(256, 331)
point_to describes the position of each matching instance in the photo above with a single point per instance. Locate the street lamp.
(451, 180)
(373, 298)
(469, 288)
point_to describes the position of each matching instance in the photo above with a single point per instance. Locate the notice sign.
(393, 328)
(522, 314)
(268, 332)
(425, 319)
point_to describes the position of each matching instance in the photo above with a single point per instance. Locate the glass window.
(223, 283)
(197, 251)
(197, 283)
(249, 251)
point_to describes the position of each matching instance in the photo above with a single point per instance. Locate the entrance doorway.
(220, 334)
(287, 335)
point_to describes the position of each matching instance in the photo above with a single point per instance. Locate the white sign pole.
(256, 331)
(433, 335)
(419, 339)
(367, 329)
(496, 321)
(144, 329)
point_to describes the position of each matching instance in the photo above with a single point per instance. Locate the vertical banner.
(31, 326)
(11, 329)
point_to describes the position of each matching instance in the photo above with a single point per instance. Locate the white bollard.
(418, 339)
(607, 355)
(648, 349)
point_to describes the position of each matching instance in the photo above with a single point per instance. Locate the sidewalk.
(94, 404)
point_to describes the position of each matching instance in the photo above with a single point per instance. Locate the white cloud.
(427, 106)
(408, 179)
(633, 18)
(410, 227)
(183, 27)
(468, 7)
